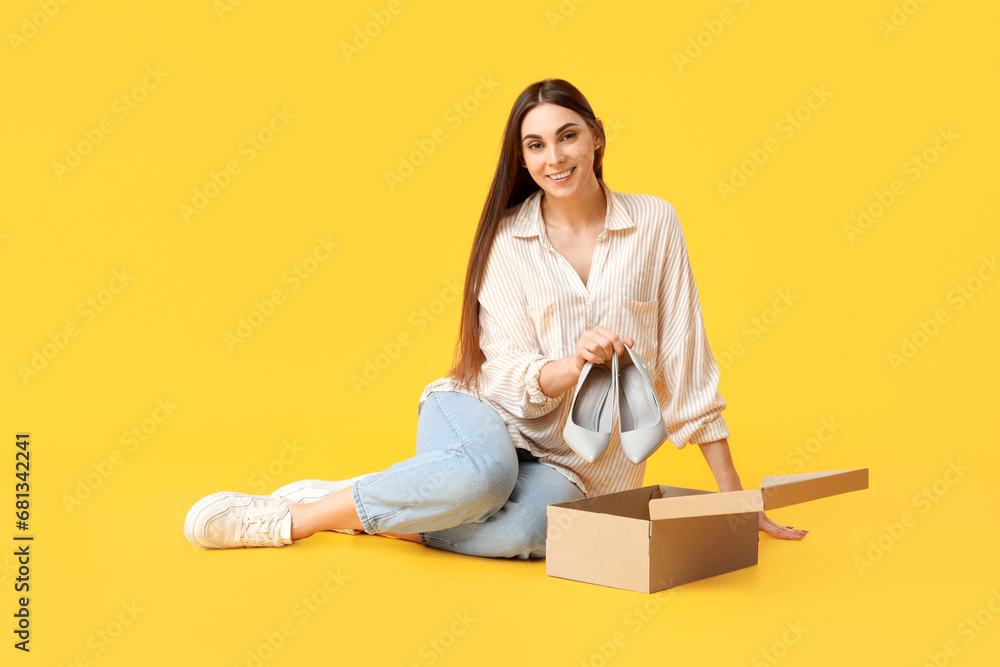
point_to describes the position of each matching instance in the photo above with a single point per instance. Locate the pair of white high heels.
(624, 387)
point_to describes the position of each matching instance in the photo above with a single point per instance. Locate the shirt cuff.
(535, 393)
(699, 433)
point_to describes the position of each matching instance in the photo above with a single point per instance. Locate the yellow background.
(681, 129)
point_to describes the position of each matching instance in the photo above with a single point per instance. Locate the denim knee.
(487, 484)
(489, 459)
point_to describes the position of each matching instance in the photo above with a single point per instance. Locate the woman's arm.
(720, 460)
(686, 374)
(594, 345)
(511, 373)
(558, 376)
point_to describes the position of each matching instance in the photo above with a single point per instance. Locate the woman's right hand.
(597, 345)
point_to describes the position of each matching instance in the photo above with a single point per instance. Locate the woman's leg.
(518, 529)
(464, 471)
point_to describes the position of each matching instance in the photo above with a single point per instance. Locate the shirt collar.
(528, 221)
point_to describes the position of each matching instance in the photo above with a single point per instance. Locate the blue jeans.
(468, 489)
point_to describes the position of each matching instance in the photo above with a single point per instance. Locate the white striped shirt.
(534, 306)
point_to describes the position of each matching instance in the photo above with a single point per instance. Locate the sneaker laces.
(259, 526)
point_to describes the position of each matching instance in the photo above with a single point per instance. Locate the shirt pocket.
(545, 320)
(640, 322)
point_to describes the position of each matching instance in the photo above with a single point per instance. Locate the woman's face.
(556, 140)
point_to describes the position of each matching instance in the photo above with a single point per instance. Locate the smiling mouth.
(562, 175)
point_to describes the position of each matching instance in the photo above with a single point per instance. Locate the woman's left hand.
(779, 532)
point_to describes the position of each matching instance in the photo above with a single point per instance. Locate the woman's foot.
(227, 520)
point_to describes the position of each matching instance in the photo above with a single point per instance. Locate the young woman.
(563, 271)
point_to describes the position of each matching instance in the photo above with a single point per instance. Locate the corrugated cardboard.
(657, 536)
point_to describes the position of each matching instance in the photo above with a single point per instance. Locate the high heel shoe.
(588, 427)
(640, 421)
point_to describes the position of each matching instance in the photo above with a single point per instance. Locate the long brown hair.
(511, 185)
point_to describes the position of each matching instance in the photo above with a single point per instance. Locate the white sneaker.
(227, 519)
(311, 490)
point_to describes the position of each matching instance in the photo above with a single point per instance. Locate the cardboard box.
(658, 537)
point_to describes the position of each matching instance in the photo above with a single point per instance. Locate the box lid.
(784, 490)
(776, 491)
